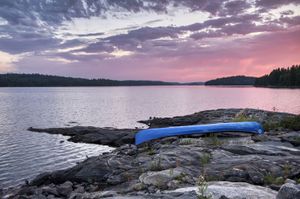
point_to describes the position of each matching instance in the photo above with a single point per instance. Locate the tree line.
(234, 80)
(281, 77)
(38, 80)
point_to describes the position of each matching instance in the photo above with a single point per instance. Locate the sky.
(169, 40)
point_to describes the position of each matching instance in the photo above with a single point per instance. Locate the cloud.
(233, 36)
(272, 4)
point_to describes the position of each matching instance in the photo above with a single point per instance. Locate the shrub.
(202, 188)
(271, 179)
(292, 123)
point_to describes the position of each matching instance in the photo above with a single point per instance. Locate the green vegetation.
(213, 140)
(151, 151)
(234, 80)
(202, 188)
(242, 118)
(185, 141)
(286, 170)
(205, 159)
(180, 177)
(271, 179)
(292, 123)
(281, 77)
(270, 125)
(38, 80)
(201, 183)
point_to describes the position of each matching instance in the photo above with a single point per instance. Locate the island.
(224, 165)
(233, 80)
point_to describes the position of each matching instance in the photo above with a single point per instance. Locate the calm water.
(25, 154)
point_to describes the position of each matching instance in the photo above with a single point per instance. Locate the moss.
(242, 118)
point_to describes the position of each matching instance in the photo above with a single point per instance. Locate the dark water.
(25, 154)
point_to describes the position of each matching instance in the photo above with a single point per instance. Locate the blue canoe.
(155, 133)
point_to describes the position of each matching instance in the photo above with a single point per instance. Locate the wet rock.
(289, 191)
(106, 136)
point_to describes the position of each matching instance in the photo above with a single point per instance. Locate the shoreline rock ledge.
(218, 166)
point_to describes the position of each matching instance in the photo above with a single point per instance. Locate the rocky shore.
(218, 166)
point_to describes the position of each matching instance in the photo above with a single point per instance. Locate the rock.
(256, 177)
(291, 137)
(138, 187)
(79, 189)
(147, 171)
(106, 136)
(106, 194)
(27, 190)
(159, 179)
(47, 190)
(290, 181)
(236, 190)
(65, 189)
(168, 140)
(128, 149)
(38, 196)
(223, 197)
(92, 188)
(173, 184)
(219, 115)
(289, 191)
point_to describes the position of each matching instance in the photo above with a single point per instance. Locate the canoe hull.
(156, 133)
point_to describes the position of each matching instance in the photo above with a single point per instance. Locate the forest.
(281, 77)
(38, 80)
(234, 80)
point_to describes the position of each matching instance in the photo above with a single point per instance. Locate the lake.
(25, 154)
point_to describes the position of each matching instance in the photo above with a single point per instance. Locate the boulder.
(289, 191)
